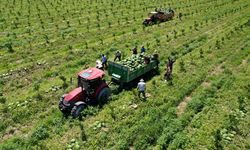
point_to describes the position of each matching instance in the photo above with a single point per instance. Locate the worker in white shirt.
(99, 64)
(141, 87)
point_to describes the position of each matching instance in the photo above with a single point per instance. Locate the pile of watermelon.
(134, 62)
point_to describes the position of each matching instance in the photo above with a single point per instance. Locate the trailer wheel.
(76, 110)
(103, 95)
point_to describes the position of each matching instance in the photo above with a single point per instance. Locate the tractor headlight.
(62, 101)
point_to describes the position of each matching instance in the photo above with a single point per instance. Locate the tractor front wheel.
(103, 95)
(76, 110)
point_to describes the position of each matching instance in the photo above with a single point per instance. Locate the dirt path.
(182, 106)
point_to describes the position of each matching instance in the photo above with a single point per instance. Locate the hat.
(141, 80)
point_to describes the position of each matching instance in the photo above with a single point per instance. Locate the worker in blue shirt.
(104, 61)
(143, 49)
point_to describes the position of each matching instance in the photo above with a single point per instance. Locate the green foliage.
(16, 144)
(234, 119)
(180, 141)
(217, 44)
(201, 53)
(38, 96)
(90, 111)
(65, 84)
(9, 46)
(112, 112)
(2, 100)
(242, 103)
(73, 145)
(40, 133)
(37, 86)
(196, 104)
(1, 82)
(134, 30)
(217, 140)
(182, 66)
(3, 126)
(83, 134)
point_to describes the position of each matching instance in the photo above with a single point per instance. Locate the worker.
(104, 61)
(99, 64)
(146, 59)
(143, 49)
(141, 87)
(167, 75)
(155, 57)
(134, 50)
(156, 54)
(118, 55)
(170, 64)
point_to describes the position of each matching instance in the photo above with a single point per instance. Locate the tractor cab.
(151, 18)
(151, 15)
(90, 79)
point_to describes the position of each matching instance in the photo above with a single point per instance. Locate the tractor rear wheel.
(76, 110)
(103, 95)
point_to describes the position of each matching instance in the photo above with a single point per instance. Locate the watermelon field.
(45, 43)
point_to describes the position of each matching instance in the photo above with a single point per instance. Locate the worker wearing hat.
(141, 87)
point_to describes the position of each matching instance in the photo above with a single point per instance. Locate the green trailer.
(123, 74)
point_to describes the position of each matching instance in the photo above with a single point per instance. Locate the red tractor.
(91, 88)
(159, 16)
